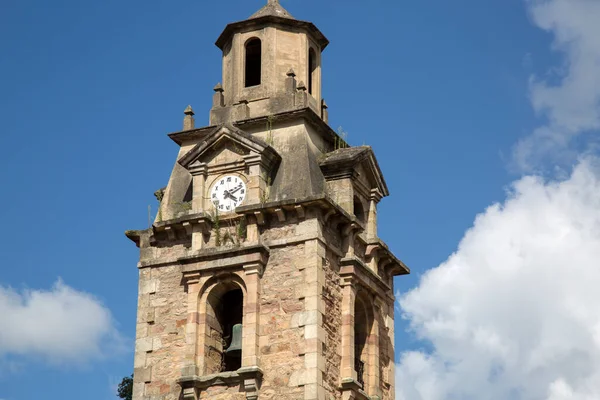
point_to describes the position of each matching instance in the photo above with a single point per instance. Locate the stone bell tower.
(262, 276)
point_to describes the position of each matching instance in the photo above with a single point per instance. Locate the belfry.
(263, 276)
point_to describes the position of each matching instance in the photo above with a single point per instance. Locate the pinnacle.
(274, 9)
(189, 111)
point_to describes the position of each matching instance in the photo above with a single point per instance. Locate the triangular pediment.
(348, 161)
(227, 144)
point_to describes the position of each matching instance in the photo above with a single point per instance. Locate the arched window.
(253, 62)
(312, 69)
(359, 210)
(363, 323)
(224, 331)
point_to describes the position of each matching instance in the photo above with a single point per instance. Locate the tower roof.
(272, 8)
(272, 13)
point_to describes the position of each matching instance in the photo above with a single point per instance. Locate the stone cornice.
(353, 270)
(282, 208)
(271, 20)
(307, 113)
(342, 163)
(388, 261)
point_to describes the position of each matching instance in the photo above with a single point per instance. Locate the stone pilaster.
(314, 334)
(252, 273)
(348, 302)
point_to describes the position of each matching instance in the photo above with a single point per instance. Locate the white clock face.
(227, 193)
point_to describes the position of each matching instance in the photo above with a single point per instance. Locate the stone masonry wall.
(162, 313)
(281, 338)
(332, 323)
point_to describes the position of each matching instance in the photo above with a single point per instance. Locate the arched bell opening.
(225, 309)
(363, 323)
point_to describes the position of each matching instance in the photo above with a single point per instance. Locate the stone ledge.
(351, 385)
(203, 382)
(256, 255)
(216, 257)
(248, 377)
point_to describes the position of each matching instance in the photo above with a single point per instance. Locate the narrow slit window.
(253, 62)
(312, 69)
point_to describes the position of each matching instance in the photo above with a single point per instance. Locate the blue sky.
(458, 99)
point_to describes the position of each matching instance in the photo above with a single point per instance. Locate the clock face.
(227, 193)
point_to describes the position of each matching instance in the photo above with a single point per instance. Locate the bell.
(236, 339)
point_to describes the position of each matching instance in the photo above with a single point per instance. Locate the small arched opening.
(359, 210)
(253, 62)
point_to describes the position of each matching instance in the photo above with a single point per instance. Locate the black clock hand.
(228, 194)
(236, 189)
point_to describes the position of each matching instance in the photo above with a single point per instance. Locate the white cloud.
(514, 313)
(61, 325)
(571, 105)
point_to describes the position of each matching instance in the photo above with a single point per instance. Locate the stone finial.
(188, 120)
(324, 112)
(301, 96)
(272, 1)
(218, 97)
(290, 82)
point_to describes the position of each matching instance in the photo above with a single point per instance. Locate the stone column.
(199, 173)
(372, 217)
(349, 234)
(252, 272)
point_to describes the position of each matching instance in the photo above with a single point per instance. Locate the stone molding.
(249, 378)
(213, 259)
